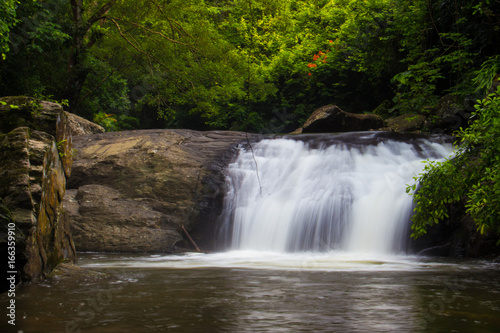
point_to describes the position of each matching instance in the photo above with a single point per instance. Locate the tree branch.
(148, 56)
(102, 82)
(100, 14)
(151, 31)
(132, 44)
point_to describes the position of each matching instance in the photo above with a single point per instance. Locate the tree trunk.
(76, 75)
(76, 72)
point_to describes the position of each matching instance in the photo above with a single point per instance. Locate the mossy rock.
(405, 123)
(22, 111)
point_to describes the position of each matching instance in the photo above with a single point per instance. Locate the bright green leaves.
(471, 177)
(416, 87)
(486, 75)
(8, 18)
(112, 122)
(433, 196)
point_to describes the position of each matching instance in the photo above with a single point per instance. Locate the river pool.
(244, 291)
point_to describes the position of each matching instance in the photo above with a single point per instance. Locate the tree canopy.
(256, 65)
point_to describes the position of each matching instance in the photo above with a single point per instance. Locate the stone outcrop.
(81, 126)
(36, 153)
(331, 119)
(405, 123)
(132, 191)
(451, 113)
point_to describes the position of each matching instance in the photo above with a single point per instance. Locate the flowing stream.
(313, 239)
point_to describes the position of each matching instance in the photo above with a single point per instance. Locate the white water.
(347, 193)
(302, 261)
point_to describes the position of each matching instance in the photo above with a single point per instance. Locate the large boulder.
(330, 119)
(117, 223)
(36, 154)
(133, 191)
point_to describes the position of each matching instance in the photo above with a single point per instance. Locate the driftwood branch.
(190, 239)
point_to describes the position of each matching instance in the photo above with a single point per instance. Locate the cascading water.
(320, 193)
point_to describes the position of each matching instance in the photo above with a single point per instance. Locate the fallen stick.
(190, 239)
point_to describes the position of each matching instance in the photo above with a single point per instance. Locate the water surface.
(266, 292)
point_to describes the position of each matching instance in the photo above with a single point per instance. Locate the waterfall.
(325, 192)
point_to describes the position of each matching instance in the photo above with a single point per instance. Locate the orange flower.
(311, 65)
(330, 41)
(315, 57)
(310, 74)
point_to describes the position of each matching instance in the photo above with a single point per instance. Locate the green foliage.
(441, 50)
(37, 62)
(260, 65)
(487, 74)
(50, 98)
(108, 121)
(416, 87)
(8, 19)
(61, 145)
(104, 89)
(471, 176)
(113, 123)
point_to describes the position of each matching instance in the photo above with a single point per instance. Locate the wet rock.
(330, 119)
(132, 191)
(117, 223)
(68, 270)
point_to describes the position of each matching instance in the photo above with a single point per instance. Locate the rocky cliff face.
(132, 191)
(36, 158)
